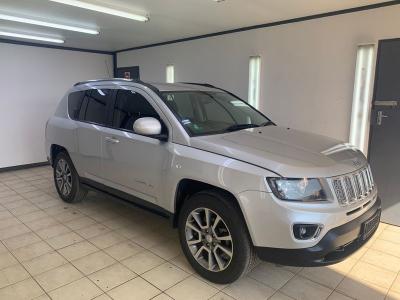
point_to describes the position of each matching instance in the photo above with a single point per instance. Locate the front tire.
(66, 179)
(214, 237)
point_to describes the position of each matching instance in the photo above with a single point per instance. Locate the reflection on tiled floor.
(102, 249)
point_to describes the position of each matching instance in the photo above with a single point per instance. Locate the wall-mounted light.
(359, 127)
(103, 9)
(254, 81)
(31, 37)
(170, 74)
(47, 24)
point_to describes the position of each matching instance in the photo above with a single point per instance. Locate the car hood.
(286, 152)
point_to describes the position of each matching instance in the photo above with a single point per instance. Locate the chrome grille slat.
(353, 187)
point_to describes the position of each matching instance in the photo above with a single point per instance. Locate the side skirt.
(128, 199)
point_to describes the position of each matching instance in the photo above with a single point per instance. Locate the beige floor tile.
(191, 289)
(165, 276)
(112, 276)
(92, 230)
(383, 260)
(52, 231)
(164, 297)
(103, 297)
(248, 288)
(23, 290)
(358, 289)
(136, 288)
(391, 236)
(68, 216)
(5, 214)
(44, 263)
(33, 216)
(338, 296)
(12, 275)
(6, 260)
(31, 251)
(4, 223)
(396, 284)
(167, 250)
(12, 231)
(222, 296)
(392, 295)
(372, 274)
(80, 223)
(123, 250)
(387, 247)
(93, 262)
(280, 296)
(143, 262)
(3, 248)
(77, 250)
(329, 276)
(14, 204)
(107, 240)
(41, 223)
(58, 277)
(151, 239)
(82, 289)
(23, 210)
(271, 275)
(64, 240)
(181, 262)
(21, 240)
(42, 297)
(302, 288)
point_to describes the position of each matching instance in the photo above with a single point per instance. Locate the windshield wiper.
(267, 123)
(241, 126)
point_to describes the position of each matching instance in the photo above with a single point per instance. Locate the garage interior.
(326, 67)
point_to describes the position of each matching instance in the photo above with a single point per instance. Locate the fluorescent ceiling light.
(103, 9)
(31, 37)
(47, 24)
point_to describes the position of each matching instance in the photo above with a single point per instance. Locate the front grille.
(351, 188)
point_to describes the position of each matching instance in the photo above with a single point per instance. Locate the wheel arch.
(188, 187)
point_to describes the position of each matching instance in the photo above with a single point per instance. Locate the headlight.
(297, 189)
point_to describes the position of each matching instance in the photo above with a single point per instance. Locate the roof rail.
(107, 79)
(201, 84)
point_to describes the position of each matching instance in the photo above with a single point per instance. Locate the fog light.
(306, 231)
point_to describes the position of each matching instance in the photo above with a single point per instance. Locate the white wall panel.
(32, 81)
(307, 73)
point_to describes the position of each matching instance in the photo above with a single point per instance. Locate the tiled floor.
(103, 249)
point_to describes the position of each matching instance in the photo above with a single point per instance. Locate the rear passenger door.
(134, 163)
(94, 116)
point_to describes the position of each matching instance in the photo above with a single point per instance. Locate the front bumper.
(337, 244)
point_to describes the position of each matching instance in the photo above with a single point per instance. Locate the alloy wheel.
(64, 177)
(209, 239)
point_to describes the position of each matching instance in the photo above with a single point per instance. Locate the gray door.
(133, 163)
(384, 153)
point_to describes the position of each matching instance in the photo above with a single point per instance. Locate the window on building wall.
(170, 74)
(359, 128)
(254, 81)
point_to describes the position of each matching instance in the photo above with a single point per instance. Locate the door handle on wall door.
(111, 140)
(380, 117)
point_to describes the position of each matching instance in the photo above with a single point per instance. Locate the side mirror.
(147, 126)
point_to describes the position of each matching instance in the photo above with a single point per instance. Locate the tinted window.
(130, 106)
(202, 113)
(96, 106)
(74, 104)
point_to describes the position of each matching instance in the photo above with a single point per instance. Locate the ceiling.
(169, 19)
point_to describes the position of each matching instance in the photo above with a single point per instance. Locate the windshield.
(203, 113)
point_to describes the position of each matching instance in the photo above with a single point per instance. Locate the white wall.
(32, 81)
(307, 68)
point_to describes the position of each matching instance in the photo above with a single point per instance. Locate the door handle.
(111, 140)
(380, 117)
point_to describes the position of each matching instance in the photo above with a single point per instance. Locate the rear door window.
(75, 100)
(96, 106)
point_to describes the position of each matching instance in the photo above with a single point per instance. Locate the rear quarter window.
(75, 100)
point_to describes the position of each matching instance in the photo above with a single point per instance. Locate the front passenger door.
(134, 163)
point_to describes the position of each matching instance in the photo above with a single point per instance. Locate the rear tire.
(66, 179)
(219, 249)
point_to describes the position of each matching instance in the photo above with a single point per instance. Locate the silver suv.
(236, 185)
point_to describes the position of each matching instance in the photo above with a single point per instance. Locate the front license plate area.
(370, 225)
